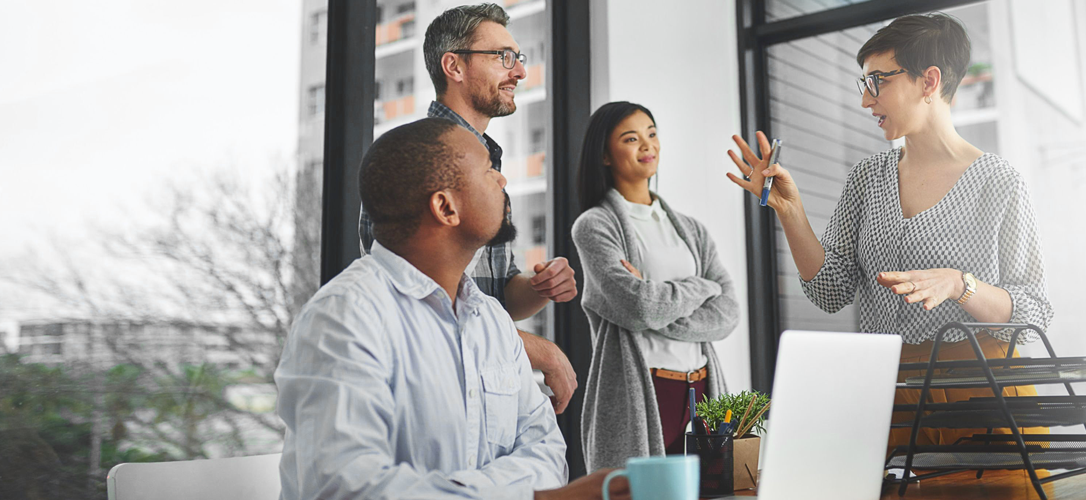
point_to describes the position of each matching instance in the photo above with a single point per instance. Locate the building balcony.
(536, 77)
(386, 111)
(526, 168)
(396, 29)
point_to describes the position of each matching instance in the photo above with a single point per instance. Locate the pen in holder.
(716, 454)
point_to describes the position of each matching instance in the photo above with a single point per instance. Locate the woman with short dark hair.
(655, 295)
(934, 232)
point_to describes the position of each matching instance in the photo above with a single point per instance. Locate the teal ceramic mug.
(673, 477)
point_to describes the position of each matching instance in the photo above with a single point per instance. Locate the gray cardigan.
(621, 418)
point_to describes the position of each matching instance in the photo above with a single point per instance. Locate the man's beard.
(491, 104)
(507, 232)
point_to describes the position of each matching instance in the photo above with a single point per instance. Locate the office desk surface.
(996, 485)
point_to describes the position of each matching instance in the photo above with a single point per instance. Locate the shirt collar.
(442, 111)
(413, 283)
(645, 212)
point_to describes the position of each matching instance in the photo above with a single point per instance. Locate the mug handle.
(607, 482)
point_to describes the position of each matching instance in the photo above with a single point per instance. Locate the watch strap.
(970, 287)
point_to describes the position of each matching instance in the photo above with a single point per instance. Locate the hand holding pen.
(783, 195)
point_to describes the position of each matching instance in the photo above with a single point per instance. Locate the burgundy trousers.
(672, 396)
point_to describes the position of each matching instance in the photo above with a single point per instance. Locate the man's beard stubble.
(490, 104)
(507, 232)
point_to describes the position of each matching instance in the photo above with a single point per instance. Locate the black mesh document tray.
(1011, 448)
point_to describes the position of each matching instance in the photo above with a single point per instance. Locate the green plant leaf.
(714, 410)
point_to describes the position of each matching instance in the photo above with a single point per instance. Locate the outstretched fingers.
(748, 154)
(763, 144)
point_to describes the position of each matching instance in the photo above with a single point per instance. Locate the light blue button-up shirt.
(386, 392)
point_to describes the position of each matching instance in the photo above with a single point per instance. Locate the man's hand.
(558, 374)
(554, 280)
(589, 487)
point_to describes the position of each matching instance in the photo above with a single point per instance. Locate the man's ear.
(453, 67)
(444, 208)
(933, 78)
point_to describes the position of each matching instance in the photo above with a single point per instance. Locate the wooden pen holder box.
(745, 461)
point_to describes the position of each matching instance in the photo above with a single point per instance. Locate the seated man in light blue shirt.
(400, 379)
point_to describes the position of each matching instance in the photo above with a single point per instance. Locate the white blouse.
(665, 257)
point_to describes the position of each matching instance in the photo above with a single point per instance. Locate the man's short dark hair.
(922, 41)
(399, 173)
(454, 29)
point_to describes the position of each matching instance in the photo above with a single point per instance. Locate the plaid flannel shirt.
(496, 266)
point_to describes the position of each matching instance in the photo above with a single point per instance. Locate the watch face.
(970, 280)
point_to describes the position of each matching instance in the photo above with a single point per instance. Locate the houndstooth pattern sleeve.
(1021, 269)
(834, 286)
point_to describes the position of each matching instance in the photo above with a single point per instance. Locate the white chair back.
(240, 478)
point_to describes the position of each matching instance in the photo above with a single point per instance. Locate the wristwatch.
(970, 287)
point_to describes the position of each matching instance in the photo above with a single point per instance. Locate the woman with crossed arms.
(655, 293)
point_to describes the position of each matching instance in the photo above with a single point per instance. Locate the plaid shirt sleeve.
(365, 232)
(512, 270)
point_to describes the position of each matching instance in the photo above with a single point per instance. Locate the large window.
(406, 92)
(160, 205)
(777, 10)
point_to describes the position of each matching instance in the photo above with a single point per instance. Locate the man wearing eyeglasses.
(475, 66)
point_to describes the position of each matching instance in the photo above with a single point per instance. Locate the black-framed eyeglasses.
(871, 82)
(509, 57)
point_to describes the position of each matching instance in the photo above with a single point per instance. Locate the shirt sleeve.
(1021, 264)
(834, 286)
(513, 270)
(337, 404)
(620, 297)
(538, 457)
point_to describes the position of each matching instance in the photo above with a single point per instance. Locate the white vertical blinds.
(815, 109)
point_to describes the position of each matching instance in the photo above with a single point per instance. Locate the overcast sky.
(104, 102)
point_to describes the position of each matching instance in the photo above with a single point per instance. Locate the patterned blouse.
(985, 225)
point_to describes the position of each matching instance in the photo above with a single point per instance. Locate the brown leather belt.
(690, 377)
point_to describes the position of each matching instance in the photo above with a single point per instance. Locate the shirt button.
(471, 461)
(471, 393)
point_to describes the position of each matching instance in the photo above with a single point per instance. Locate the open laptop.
(829, 423)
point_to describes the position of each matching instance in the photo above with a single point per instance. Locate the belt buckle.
(690, 374)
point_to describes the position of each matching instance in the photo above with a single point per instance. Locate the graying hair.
(454, 29)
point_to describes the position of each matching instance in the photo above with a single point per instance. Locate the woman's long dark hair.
(595, 178)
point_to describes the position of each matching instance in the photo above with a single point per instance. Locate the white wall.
(1048, 146)
(680, 61)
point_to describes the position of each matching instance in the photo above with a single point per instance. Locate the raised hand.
(784, 195)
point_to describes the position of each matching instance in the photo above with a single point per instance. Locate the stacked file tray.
(988, 451)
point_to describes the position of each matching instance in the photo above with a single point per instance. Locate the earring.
(927, 99)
